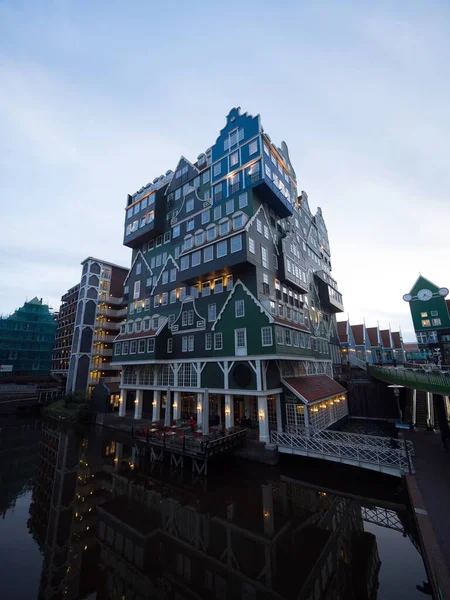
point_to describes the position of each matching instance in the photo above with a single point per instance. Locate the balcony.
(270, 193)
(112, 312)
(330, 298)
(102, 351)
(102, 337)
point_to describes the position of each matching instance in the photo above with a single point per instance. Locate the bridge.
(375, 453)
(419, 377)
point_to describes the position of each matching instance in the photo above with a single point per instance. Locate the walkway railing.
(435, 380)
(356, 362)
(335, 446)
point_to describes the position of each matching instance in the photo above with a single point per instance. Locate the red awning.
(313, 387)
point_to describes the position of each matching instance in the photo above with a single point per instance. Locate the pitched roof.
(342, 331)
(397, 340)
(372, 332)
(313, 387)
(385, 338)
(291, 324)
(411, 347)
(358, 334)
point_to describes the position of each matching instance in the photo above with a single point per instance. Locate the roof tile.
(314, 387)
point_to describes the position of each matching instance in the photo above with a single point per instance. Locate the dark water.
(83, 517)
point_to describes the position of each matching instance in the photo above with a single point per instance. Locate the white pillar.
(199, 409)
(414, 407)
(156, 405)
(122, 403)
(258, 375)
(263, 419)
(278, 410)
(176, 405)
(229, 411)
(167, 417)
(205, 412)
(306, 416)
(138, 404)
(429, 409)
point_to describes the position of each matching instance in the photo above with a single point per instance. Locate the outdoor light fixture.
(175, 405)
(227, 411)
(199, 407)
(261, 414)
(154, 403)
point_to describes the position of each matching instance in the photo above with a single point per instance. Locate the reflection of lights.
(85, 547)
(266, 513)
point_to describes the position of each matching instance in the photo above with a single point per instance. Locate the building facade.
(64, 332)
(361, 345)
(26, 340)
(100, 309)
(230, 290)
(431, 319)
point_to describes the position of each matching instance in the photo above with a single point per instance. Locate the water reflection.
(113, 525)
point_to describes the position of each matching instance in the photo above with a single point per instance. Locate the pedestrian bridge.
(419, 377)
(375, 453)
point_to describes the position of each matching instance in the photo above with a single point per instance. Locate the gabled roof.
(358, 334)
(397, 340)
(170, 257)
(423, 282)
(372, 332)
(248, 292)
(138, 253)
(385, 338)
(342, 331)
(252, 220)
(313, 387)
(286, 323)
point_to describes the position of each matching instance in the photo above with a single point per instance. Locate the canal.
(84, 517)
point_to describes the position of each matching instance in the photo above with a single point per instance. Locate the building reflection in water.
(108, 525)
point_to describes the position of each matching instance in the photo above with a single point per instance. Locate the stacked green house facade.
(430, 313)
(231, 302)
(26, 340)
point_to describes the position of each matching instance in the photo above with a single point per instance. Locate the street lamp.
(396, 389)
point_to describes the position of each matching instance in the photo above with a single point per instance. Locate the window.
(138, 269)
(184, 264)
(158, 240)
(188, 243)
(196, 258)
(165, 277)
(266, 232)
(217, 212)
(266, 336)
(137, 326)
(211, 233)
(241, 338)
(133, 347)
(239, 309)
(208, 341)
(229, 207)
(155, 322)
(173, 296)
(117, 349)
(236, 243)
(264, 258)
(243, 200)
(251, 245)
(218, 286)
(129, 213)
(218, 192)
(147, 324)
(173, 274)
(273, 307)
(158, 260)
(426, 323)
(217, 169)
(205, 176)
(171, 320)
(176, 231)
(238, 221)
(287, 337)
(265, 285)
(125, 348)
(169, 345)
(199, 238)
(424, 314)
(259, 226)
(190, 205)
(252, 148)
(190, 225)
(187, 343)
(208, 254)
(275, 262)
(151, 345)
(141, 348)
(206, 216)
(436, 321)
(218, 341)
(137, 290)
(212, 312)
(207, 195)
(221, 249)
(434, 313)
(165, 298)
(234, 159)
(206, 289)
(137, 208)
(167, 237)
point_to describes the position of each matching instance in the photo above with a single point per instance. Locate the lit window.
(424, 314)
(190, 205)
(251, 245)
(137, 289)
(206, 216)
(208, 254)
(190, 225)
(239, 309)
(176, 231)
(217, 341)
(266, 336)
(236, 243)
(229, 207)
(243, 200)
(234, 159)
(165, 298)
(252, 148)
(426, 323)
(217, 169)
(221, 249)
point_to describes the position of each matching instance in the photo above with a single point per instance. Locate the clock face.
(424, 295)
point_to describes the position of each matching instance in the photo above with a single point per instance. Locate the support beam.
(199, 409)
(123, 403)
(156, 405)
(167, 416)
(414, 407)
(205, 412)
(229, 411)
(138, 404)
(176, 405)
(278, 413)
(429, 409)
(263, 420)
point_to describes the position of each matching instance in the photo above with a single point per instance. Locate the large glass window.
(196, 258)
(208, 254)
(236, 243)
(184, 263)
(266, 336)
(221, 249)
(206, 216)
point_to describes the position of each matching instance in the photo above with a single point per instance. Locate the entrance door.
(240, 342)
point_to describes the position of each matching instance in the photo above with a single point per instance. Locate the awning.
(313, 388)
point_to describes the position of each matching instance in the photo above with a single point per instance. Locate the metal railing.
(356, 362)
(436, 380)
(367, 455)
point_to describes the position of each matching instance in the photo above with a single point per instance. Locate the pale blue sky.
(98, 98)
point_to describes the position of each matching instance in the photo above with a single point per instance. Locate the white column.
(199, 409)
(122, 403)
(258, 375)
(156, 405)
(429, 409)
(176, 405)
(263, 420)
(229, 411)
(167, 417)
(278, 412)
(205, 412)
(138, 404)
(306, 416)
(414, 407)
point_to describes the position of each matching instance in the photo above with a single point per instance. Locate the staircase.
(356, 362)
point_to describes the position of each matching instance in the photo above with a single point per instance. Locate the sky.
(99, 98)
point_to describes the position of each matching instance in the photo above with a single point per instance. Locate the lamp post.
(396, 389)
